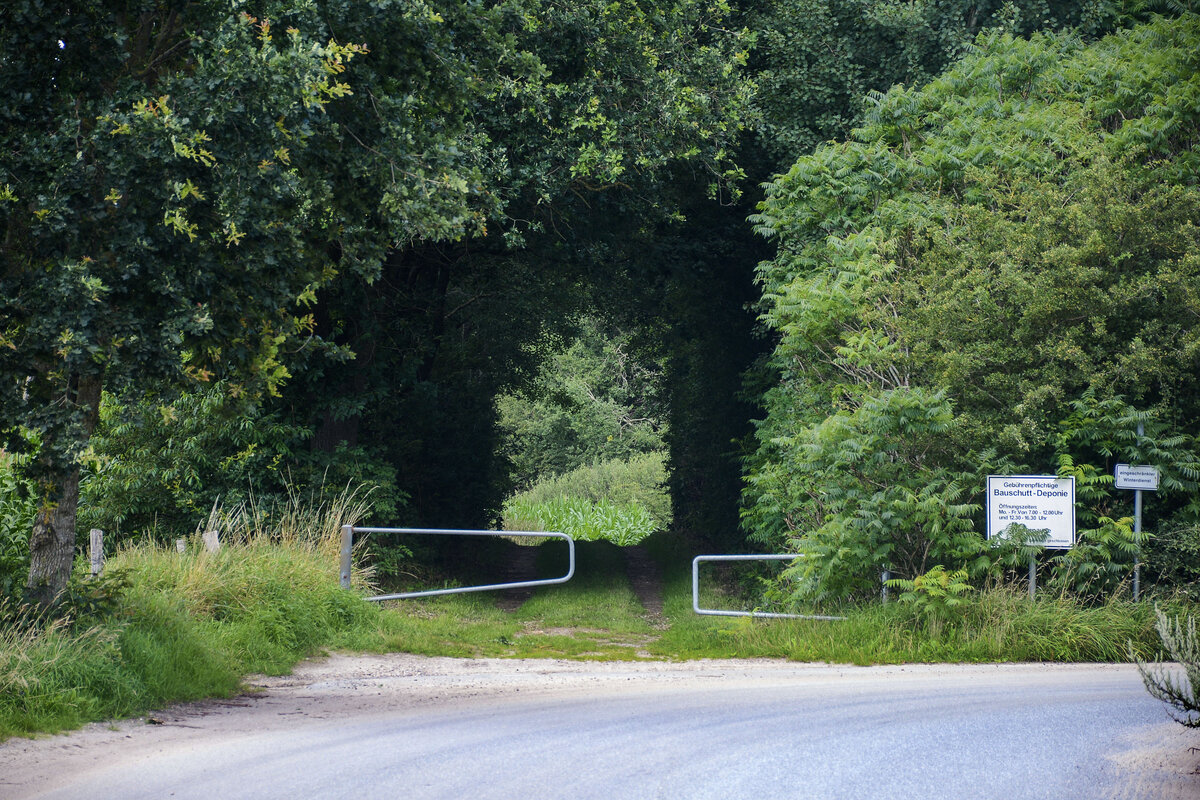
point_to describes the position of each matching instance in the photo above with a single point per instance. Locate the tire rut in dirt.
(521, 565)
(646, 580)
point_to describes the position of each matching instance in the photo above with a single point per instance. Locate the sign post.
(1039, 502)
(1127, 476)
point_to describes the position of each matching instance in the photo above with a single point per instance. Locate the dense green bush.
(160, 465)
(937, 596)
(584, 520)
(1172, 560)
(993, 274)
(619, 501)
(17, 508)
(640, 480)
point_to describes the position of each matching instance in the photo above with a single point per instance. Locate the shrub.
(938, 596)
(639, 480)
(1101, 562)
(583, 520)
(162, 463)
(1181, 693)
(864, 492)
(17, 509)
(1172, 560)
(618, 501)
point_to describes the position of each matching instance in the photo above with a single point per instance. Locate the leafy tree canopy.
(180, 181)
(816, 60)
(593, 401)
(982, 253)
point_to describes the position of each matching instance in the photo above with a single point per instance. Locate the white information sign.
(1128, 476)
(1038, 502)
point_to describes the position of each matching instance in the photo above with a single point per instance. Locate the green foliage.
(1013, 549)
(159, 467)
(937, 596)
(863, 492)
(1172, 560)
(1100, 433)
(1095, 436)
(584, 520)
(816, 60)
(88, 599)
(593, 401)
(18, 505)
(617, 501)
(370, 210)
(1101, 560)
(177, 224)
(1011, 237)
(1181, 693)
(640, 480)
(155, 231)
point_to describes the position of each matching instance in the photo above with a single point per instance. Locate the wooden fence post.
(211, 541)
(97, 551)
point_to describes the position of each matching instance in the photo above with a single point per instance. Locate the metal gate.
(722, 613)
(348, 532)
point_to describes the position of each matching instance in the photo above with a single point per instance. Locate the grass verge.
(999, 624)
(192, 625)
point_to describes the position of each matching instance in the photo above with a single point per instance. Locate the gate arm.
(717, 613)
(348, 532)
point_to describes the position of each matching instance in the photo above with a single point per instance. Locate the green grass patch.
(187, 626)
(183, 631)
(595, 615)
(996, 625)
(582, 519)
(192, 625)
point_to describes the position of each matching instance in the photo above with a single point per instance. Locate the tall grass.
(189, 625)
(1000, 624)
(640, 480)
(584, 520)
(617, 501)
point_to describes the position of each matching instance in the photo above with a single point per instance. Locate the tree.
(816, 61)
(175, 191)
(1008, 238)
(595, 400)
(812, 63)
(584, 157)
(194, 192)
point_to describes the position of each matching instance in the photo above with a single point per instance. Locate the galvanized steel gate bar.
(717, 613)
(348, 532)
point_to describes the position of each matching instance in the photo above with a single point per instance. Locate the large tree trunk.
(52, 542)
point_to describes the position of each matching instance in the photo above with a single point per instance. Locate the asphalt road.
(407, 727)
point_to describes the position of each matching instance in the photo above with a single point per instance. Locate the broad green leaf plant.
(983, 252)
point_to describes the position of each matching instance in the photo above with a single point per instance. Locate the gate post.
(347, 542)
(97, 551)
